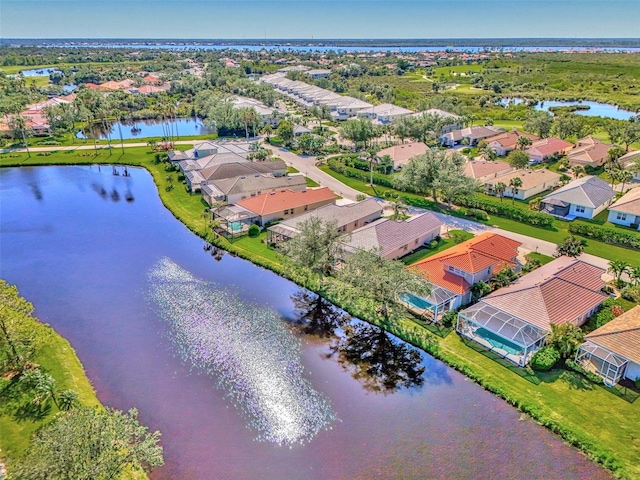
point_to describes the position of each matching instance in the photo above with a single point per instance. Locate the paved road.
(307, 166)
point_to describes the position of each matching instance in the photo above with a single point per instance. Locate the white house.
(584, 197)
(626, 211)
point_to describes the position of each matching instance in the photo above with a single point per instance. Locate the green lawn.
(543, 259)
(59, 360)
(558, 232)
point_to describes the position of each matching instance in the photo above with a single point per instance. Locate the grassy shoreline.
(60, 360)
(604, 424)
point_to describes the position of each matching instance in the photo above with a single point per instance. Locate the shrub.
(637, 383)
(545, 359)
(592, 377)
(506, 210)
(433, 244)
(254, 230)
(337, 166)
(476, 213)
(612, 236)
(631, 293)
(449, 319)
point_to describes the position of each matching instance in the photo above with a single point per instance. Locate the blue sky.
(319, 18)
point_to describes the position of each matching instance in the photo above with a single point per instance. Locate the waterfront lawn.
(60, 360)
(592, 415)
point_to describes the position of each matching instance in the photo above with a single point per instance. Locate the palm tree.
(634, 274)
(205, 215)
(523, 142)
(19, 126)
(488, 152)
(399, 207)
(625, 176)
(618, 268)
(500, 188)
(515, 183)
(367, 157)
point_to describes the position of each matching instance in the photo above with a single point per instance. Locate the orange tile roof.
(510, 139)
(280, 200)
(474, 255)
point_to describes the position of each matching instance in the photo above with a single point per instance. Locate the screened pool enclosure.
(602, 362)
(501, 332)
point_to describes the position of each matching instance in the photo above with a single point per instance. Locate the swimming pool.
(416, 302)
(499, 342)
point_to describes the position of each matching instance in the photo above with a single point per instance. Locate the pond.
(39, 72)
(207, 347)
(595, 109)
(149, 128)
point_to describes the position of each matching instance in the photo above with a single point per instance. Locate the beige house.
(533, 182)
(506, 142)
(483, 170)
(590, 152)
(401, 154)
(232, 190)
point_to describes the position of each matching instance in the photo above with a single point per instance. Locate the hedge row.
(350, 172)
(612, 236)
(505, 210)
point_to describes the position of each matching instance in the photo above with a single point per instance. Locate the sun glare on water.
(247, 349)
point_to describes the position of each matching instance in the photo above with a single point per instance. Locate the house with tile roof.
(506, 142)
(484, 170)
(347, 219)
(220, 170)
(452, 272)
(385, 113)
(589, 151)
(584, 197)
(283, 204)
(544, 148)
(514, 321)
(626, 211)
(631, 161)
(533, 182)
(613, 350)
(402, 153)
(232, 190)
(393, 239)
(469, 136)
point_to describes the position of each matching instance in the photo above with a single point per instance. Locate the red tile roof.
(549, 146)
(280, 200)
(474, 255)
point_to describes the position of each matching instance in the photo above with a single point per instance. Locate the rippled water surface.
(204, 345)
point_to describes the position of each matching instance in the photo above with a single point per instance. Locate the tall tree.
(515, 183)
(378, 284)
(90, 444)
(618, 268)
(431, 172)
(518, 159)
(500, 188)
(317, 247)
(539, 122)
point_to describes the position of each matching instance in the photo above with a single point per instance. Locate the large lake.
(203, 346)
